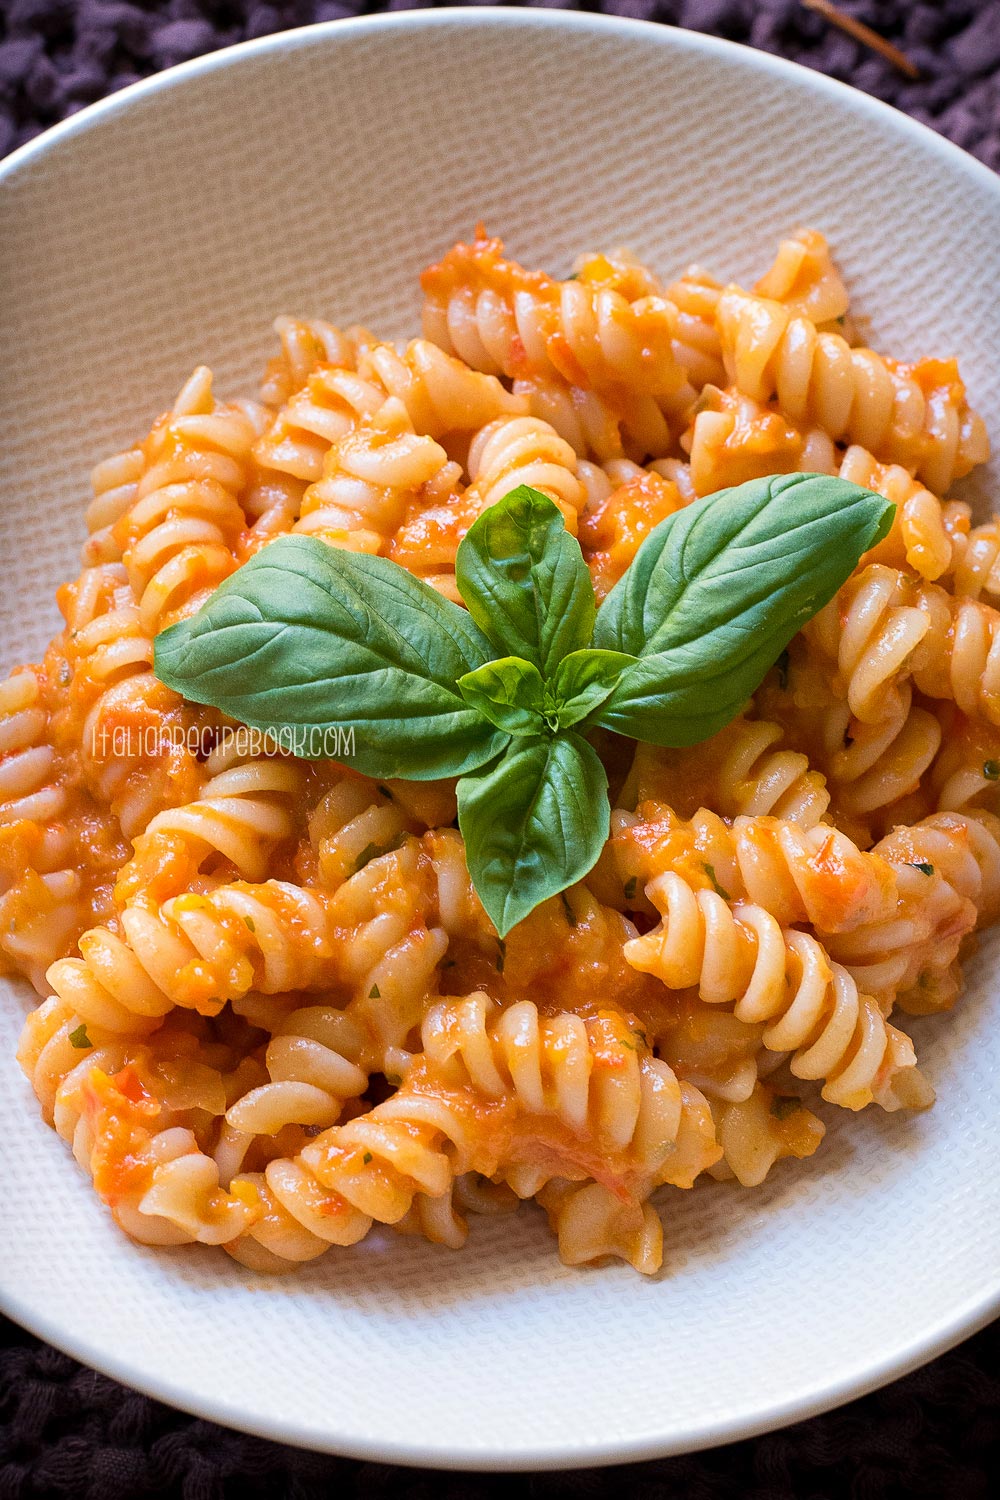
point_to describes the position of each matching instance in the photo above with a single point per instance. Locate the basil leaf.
(582, 682)
(717, 591)
(533, 823)
(315, 645)
(509, 692)
(524, 579)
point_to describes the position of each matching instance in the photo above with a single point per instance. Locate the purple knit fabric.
(68, 1432)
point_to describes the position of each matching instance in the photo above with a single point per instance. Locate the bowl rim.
(474, 16)
(976, 1310)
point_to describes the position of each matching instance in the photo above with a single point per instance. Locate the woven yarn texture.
(67, 1431)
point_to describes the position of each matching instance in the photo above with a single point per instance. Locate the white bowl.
(318, 172)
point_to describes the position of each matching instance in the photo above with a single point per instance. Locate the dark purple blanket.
(65, 1431)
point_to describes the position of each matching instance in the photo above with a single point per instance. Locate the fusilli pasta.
(274, 1012)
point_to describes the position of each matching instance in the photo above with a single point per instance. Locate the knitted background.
(66, 1431)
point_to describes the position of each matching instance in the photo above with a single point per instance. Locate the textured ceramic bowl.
(317, 172)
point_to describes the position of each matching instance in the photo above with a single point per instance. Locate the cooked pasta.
(734, 438)
(915, 415)
(737, 953)
(887, 627)
(274, 1012)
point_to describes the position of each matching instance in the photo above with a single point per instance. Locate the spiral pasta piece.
(136, 742)
(592, 1224)
(588, 1097)
(161, 1187)
(48, 1057)
(305, 345)
(611, 424)
(504, 320)
(966, 770)
(56, 848)
(595, 426)
(958, 657)
(197, 951)
(354, 821)
(747, 769)
(331, 403)
(947, 870)
(390, 943)
(805, 280)
(974, 572)
(873, 771)
(30, 790)
(373, 1167)
(179, 534)
(877, 765)
(740, 955)
(312, 1065)
(128, 1114)
(760, 1130)
(41, 916)
(802, 277)
(523, 450)
(914, 415)
(762, 778)
(114, 482)
(439, 393)
(399, 1164)
(815, 875)
(244, 812)
(885, 627)
(920, 538)
(734, 438)
(696, 341)
(870, 630)
(507, 452)
(372, 476)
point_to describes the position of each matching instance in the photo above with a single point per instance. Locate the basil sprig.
(306, 638)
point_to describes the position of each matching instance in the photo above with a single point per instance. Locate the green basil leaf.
(533, 823)
(509, 692)
(717, 591)
(337, 654)
(582, 682)
(524, 580)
